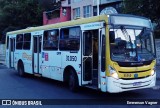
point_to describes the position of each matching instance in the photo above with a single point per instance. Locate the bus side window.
(50, 41)
(27, 41)
(19, 41)
(63, 39)
(70, 39)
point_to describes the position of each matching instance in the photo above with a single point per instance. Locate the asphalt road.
(12, 86)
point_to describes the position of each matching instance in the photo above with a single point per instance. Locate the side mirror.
(111, 36)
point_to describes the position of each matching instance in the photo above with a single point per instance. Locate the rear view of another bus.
(131, 56)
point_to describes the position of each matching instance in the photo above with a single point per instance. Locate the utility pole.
(97, 7)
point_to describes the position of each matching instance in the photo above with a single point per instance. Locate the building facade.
(88, 8)
(61, 12)
(81, 8)
(73, 9)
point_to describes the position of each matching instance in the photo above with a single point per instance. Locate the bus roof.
(72, 23)
(63, 24)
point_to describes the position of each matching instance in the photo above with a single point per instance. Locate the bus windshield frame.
(130, 20)
(131, 42)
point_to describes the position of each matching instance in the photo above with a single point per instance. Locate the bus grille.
(135, 78)
(135, 71)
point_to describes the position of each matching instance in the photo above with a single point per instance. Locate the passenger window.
(27, 41)
(70, 39)
(50, 40)
(19, 41)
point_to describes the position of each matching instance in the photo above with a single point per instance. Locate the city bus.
(111, 53)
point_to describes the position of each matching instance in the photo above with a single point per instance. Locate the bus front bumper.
(120, 85)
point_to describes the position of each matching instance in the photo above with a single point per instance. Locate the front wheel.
(73, 81)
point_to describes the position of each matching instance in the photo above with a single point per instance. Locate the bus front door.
(36, 54)
(12, 50)
(90, 57)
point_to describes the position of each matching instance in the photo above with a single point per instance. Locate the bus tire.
(73, 81)
(21, 70)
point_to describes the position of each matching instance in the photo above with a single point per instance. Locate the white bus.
(111, 53)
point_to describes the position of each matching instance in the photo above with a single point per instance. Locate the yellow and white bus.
(112, 53)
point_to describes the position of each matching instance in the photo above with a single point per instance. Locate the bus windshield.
(131, 44)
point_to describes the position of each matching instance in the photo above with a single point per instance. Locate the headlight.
(113, 73)
(153, 71)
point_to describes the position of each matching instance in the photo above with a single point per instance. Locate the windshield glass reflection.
(131, 44)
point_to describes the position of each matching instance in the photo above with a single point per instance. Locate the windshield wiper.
(127, 36)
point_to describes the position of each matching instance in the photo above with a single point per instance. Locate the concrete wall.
(62, 17)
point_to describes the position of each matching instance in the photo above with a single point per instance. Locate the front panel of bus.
(131, 56)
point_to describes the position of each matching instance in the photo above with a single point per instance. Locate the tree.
(19, 14)
(146, 8)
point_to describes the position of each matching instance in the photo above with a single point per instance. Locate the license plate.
(137, 83)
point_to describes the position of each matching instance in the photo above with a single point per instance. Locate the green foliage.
(146, 8)
(19, 14)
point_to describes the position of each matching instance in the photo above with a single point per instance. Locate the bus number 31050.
(71, 58)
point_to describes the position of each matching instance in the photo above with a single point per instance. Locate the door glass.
(87, 44)
(103, 53)
(40, 43)
(12, 45)
(35, 44)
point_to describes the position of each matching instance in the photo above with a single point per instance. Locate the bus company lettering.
(28, 57)
(93, 25)
(71, 58)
